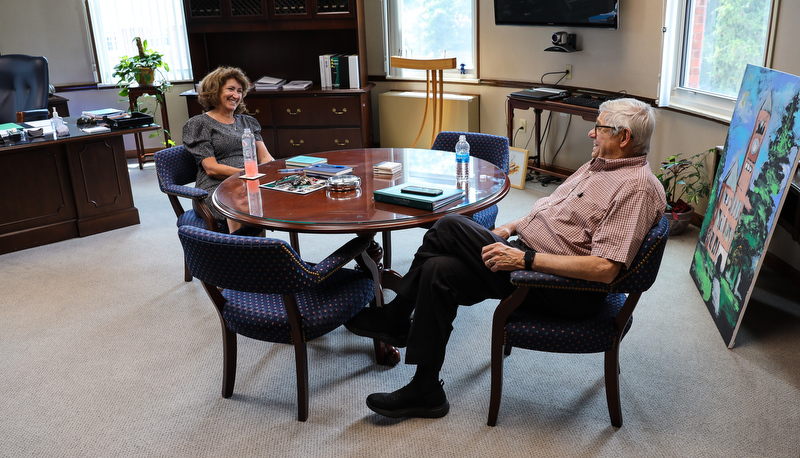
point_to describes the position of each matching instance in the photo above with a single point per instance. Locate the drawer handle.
(293, 143)
(341, 143)
(252, 113)
(344, 110)
(289, 110)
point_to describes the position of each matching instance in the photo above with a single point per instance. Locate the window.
(434, 29)
(116, 23)
(707, 46)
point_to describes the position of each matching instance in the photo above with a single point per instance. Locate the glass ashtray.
(344, 183)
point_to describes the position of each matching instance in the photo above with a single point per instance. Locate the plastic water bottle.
(57, 123)
(249, 151)
(462, 158)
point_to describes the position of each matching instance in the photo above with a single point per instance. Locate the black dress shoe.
(411, 401)
(373, 322)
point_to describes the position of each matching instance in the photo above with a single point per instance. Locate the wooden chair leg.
(187, 276)
(386, 241)
(294, 241)
(612, 387)
(228, 361)
(496, 385)
(301, 361)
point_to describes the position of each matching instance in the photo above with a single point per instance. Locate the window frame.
(180, 66)
(674, 41)
(391, 36)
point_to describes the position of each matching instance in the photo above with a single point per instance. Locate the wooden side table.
(133, 95)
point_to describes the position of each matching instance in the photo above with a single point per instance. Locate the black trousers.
(447, 271)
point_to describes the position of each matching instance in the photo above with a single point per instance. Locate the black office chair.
(24, 87)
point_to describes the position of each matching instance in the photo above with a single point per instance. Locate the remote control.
(421, 191)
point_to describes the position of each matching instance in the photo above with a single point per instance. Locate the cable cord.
(569, 123)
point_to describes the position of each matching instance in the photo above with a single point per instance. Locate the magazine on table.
(296, 184)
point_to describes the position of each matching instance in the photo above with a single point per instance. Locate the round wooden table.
(356, 212)
(326, 211)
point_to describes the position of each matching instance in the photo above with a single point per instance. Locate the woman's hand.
(498, 256)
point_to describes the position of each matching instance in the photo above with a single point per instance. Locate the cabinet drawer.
(261, 109)
(292, 142)
(318, 111)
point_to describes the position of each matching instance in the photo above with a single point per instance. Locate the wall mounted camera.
(563, 42)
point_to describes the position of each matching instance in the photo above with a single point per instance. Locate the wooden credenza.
(301, 122)
(284, 39)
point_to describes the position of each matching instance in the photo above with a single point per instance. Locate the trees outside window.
(432, 29)
(707, 46)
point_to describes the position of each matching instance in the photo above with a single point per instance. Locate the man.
(589, 228)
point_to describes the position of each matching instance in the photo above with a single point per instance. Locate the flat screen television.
(598, 14)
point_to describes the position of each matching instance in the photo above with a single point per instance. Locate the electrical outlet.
(522, 125)
(568, 69)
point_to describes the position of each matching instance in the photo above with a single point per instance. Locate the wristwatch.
(529, 255)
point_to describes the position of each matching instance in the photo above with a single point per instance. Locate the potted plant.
(145, 68)
(685, 182)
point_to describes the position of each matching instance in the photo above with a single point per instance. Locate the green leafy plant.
(145, 68)
(685, 181)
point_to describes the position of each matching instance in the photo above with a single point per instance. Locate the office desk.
(521, 103)
(54, 190)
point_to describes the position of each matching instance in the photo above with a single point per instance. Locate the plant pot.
(678, 222)
(146, 76)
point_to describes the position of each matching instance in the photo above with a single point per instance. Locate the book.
(297, 84)
(305, 161)
(268, 83)
(394, 195)
(387, 168)
(355, 73)
(328, 170)
(325, 71)
(348, 72)
(268, 80)
(335, 70)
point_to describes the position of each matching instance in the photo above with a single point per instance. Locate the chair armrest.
(190, 192)
(542, 280)
(341, 256)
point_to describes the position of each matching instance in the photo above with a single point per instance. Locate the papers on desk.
(9, 126)
(44, 124)
(99, 114)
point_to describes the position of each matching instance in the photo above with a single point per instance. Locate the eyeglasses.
(600, 125)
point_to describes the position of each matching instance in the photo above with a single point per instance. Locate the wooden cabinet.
(284, 39)
(309, 121)
(199, 11)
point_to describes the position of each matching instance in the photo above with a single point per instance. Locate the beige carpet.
(105, 351)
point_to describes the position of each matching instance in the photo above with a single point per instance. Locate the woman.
(215, 137)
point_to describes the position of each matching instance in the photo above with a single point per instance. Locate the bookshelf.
(283, 39)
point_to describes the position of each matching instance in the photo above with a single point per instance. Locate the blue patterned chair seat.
(264, 316)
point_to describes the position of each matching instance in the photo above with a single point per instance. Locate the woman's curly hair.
(210, 88)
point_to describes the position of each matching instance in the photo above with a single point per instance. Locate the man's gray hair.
(634, 115)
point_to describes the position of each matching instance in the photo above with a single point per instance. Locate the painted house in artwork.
(732, 199)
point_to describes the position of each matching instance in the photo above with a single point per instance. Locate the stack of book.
(327, 170)
(296, 85)
(387, 168)
(339, 71)
(305, 161)
(268, 83)
(395, 195)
